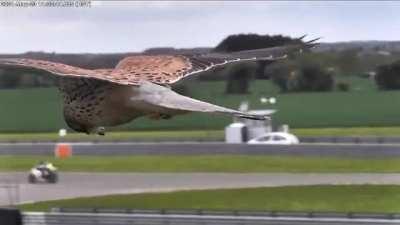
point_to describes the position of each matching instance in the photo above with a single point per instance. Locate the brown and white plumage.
(136, 86)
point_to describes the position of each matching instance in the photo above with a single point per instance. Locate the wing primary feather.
(302, 37)
(204, 62)
(313, 40)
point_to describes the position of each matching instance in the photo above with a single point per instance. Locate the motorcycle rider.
(45, 167)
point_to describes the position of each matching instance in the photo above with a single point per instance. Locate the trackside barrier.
(201, 217)
(63, 150)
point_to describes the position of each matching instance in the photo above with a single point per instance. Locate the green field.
(205, 163)
(38, 110)
(341, 198)
(347, 131)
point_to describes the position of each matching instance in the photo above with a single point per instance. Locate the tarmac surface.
(132, 148)
(14, 187)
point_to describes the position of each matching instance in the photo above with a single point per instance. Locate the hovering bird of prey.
(140, 86)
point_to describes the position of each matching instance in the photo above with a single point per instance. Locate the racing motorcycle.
(45, 172)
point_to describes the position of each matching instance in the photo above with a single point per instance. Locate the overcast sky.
(129, 26)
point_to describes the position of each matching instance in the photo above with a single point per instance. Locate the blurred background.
(339, 98)
(349, 80)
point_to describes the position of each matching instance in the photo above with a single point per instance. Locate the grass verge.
(205, 163)
(192, 135)
(341, 198)
(145, 136)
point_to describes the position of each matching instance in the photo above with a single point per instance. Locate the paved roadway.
(92, 184)
(338, 150)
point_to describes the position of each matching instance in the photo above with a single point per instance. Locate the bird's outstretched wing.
(54, 68)
(165, 69)
(161, 69)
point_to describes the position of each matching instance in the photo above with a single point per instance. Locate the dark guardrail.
(309, 214)
(201, 217)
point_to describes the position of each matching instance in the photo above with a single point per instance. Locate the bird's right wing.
(168, 69)
(205, 62)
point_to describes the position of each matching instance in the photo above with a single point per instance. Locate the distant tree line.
(241, 74)
(388, 76)
(289, 75)
(312, 71)
(293, 76)
(25, 78)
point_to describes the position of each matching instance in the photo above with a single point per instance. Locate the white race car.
(275, 138)
(43, 172)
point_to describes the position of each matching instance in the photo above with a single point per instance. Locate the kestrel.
(140, 86)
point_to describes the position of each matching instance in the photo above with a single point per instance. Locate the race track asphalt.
(73, 185)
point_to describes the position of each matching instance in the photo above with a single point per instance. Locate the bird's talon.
(101, 131)
(165, 116)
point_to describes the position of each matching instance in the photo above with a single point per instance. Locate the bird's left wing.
(57, 69)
